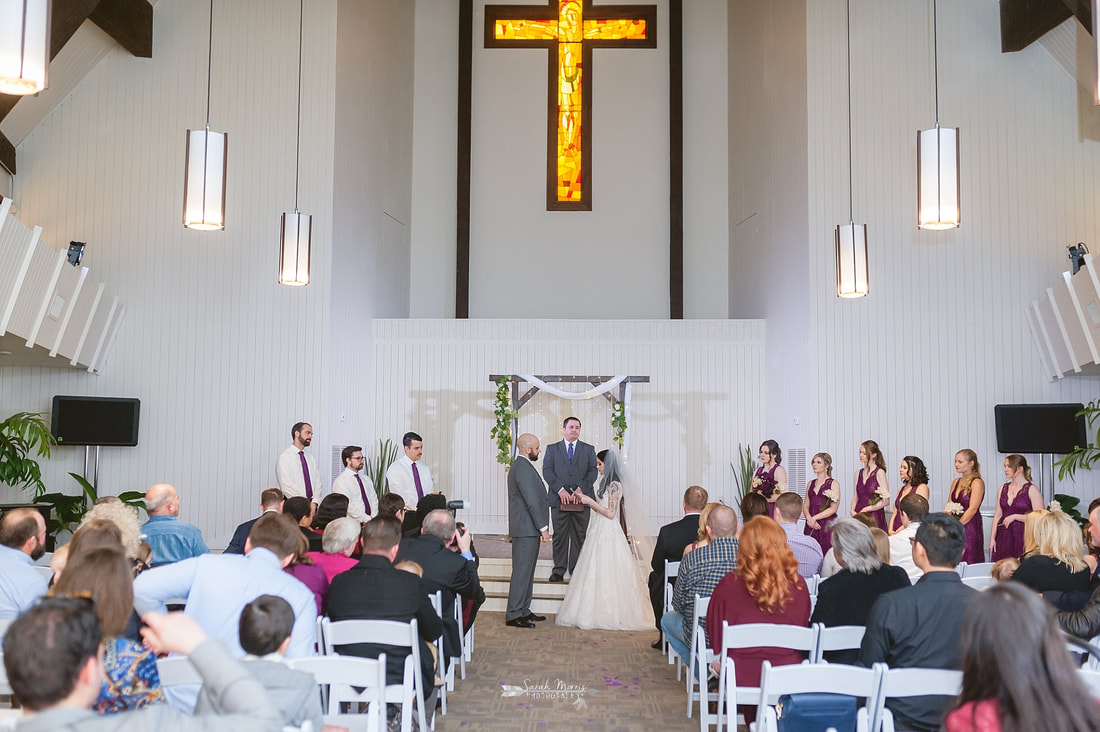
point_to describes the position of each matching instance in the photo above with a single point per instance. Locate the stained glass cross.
(569, 30)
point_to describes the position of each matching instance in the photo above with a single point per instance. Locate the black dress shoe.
(519, 623)
(656, 644)
(535, 618)
(556, 578)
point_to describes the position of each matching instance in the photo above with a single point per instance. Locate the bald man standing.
(528, 526)
(170, 539)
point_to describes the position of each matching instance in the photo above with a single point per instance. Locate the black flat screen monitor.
(1039, 428)
(104, 421)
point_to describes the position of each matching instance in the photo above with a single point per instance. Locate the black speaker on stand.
(1042, 429)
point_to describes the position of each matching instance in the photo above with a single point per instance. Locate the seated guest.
(218, 586)
(392, 504)
(340, 540)
(374, 590)
(446, 571)
(701, 538)
(300, 509)
(1017, 674)
(333, 506)
(125, 518)
(920, 626)
(58, 560)
(1058, 562)
(414, 520)
(1030, 521)
(303, 569)
(751, 507)
(672, 540)
(172, 540)
(22, 541)
(882, 544)
(265, 628)
(912, 509)
(130, 669)
(788, 509)
(765, 588)
(829, 565)
(1085, 623)
(95, 534)
(847, 597)
(271, 501)
(1003, 569)
(57, 690)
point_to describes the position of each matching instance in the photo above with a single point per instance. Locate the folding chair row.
(671, 570)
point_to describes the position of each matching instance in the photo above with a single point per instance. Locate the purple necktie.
(305, 472)
(416, 479)
(570, 453)
(363, 492)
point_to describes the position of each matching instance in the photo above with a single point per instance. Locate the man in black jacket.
(1085, 623)
(671, 542)
(271, 501)
(374, 590)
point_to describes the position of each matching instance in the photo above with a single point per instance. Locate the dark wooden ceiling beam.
(1025, 21)
(129, 22)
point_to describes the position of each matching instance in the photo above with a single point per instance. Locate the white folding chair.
(387, 633)
(1091, 680)
(1093, 661)
(906, 682)
(979, 583)
(671, 570)
(45, 572)
(837, 638)
(466, 639)
(775, 681)
(754, 635)
(812, 584)
(176, 670)
(446, 665)
(960, 569)
(338, 677)
(977, 570)
(701, 657)
(319, 644)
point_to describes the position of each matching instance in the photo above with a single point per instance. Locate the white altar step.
(495, 575)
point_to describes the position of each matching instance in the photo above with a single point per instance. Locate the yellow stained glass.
(570, 30)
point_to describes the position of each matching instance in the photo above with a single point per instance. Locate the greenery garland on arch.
(502, 428)
(618, 421)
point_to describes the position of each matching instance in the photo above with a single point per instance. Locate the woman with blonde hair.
(1031, 545)
(1058, 564)
(872, 493)
(967, 493)
(822, 501)
(701, 538)
(1016, 497)
(765, 588)
(914, 479)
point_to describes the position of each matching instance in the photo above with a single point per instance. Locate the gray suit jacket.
(558, 472)
(527, 504)
(294, 693)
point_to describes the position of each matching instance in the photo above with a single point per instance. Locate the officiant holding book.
(569, 468)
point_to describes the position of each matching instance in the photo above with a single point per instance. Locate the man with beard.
(296, 472)
(527, 525)
(22, 540)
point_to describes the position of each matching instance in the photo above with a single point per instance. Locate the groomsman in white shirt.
(407, 476)
(350, 484)
(295, 471)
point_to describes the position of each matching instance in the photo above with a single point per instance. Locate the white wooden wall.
(705, 396)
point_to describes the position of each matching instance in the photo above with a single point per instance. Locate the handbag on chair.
(816, 712)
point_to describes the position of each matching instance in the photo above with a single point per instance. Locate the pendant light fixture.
(937, 162)
(296, 228)
(205, 166)
(24, 46)
(851, 238)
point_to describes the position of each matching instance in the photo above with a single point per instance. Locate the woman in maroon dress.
(968, 492)
(770, 479)
(1015, 500)
(765, 588)
(914, 479)
(872, 492)
(820, 509)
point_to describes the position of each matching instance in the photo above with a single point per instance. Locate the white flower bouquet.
(955, 509)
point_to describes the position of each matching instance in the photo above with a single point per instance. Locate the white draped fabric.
(595, 391)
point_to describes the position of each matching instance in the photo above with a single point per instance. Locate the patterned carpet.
(565, 679)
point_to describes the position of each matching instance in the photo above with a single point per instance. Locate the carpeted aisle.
(563, 678)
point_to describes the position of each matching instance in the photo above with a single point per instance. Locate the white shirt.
(20, 583)
(289, 476)
(400, 477)
(901, 551)
(347, 485)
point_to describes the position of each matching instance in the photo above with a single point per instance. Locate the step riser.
(540, 607)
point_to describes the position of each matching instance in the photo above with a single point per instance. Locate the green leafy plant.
(618, 421)
(69, 511)
(23, 435)
(502, 428)
(379, 463)
(743, 471)
(1083, 456)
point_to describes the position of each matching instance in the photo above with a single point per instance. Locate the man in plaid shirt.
(700, 571)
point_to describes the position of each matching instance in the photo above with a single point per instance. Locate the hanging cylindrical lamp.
(205, 165)
(937, 162)
(24, 46)
(296, 228)
(851, 239)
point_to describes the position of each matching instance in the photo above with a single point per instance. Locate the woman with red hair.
(765, 588)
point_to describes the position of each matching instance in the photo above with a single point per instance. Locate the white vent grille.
(337, 464)
(797, 470)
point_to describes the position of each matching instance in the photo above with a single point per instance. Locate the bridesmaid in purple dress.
(968, 491)
(1016, 498)
(871, 480)
(820, 510)
(914, 479)
(770, 479)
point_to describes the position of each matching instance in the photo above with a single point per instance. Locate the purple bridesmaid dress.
(766, 474)
(817, 499)
(865, 496)
(974, 548)
(1010, 540)
(895, 518)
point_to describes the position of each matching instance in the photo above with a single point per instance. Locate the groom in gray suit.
(569, 469)
(527, 526)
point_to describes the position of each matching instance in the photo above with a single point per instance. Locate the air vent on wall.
(795, 461)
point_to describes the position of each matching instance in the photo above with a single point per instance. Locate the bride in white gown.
(607, 590)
